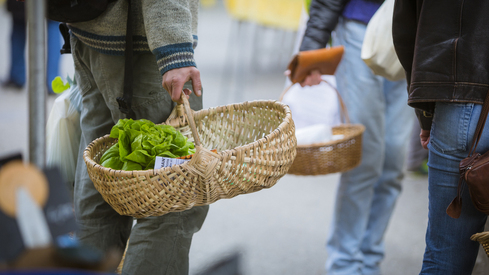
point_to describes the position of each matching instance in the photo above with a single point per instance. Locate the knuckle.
(175, 80)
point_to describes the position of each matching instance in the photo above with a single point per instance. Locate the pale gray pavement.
(281, 230)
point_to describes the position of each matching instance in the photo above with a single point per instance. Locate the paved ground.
(281, 230)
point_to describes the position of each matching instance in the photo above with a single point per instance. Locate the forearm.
(323, 18)
(171, 32)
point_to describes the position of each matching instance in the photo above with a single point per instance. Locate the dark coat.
(444, 48)
(323, 18)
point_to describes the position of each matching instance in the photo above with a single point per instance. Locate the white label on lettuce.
(161, 162)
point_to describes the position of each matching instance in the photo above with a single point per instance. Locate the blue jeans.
(17, 72)
(449, 249)
(367, 194)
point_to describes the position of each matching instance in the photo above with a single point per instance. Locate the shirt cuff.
(425, 119)
(174, 56)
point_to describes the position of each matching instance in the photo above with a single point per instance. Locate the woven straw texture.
(483, 239)
(332, 156)
(255, 142)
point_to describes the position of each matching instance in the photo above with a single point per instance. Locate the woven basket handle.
(343, 111)
(190, 117)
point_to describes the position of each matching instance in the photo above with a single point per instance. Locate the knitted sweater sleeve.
(171, 28)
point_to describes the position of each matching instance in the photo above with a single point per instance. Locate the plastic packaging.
(63, 132)
(313, 134)
(312, 105)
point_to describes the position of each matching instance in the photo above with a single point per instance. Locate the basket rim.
(87, 153)
(360, 130)
(481, 236)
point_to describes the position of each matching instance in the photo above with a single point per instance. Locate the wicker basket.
(332, 156)
(256, 146)
(483, 239)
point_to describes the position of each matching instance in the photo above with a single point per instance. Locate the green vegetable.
(140, 141)
(111, 158)
(307, 5)
(59, 86)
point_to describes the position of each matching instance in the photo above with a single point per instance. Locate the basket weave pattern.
(333, 156)
(255, 142)
(483, 239)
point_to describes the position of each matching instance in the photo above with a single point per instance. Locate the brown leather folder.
(325, 60)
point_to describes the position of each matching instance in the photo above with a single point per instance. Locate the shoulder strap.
(455, 208)
(126, 99)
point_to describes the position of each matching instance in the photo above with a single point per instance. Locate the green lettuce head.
(140, 142)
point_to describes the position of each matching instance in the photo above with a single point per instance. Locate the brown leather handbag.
(325, 60)
(474, 170)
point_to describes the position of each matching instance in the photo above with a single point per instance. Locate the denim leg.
(399, 118)
(354, 244)
(159, 245)
(17, 56)
(362, 93)
(449, 249)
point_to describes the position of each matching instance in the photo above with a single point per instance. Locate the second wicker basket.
(331, 156)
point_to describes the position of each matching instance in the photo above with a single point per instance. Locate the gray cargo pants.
(158, 245)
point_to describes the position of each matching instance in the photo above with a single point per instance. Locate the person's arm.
(404, 27)
(425, 119)
(171, 28)
(323, 18)
(425, 138)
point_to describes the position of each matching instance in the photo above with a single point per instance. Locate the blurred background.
(244, 48)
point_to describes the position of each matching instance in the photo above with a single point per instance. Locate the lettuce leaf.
(140, 141)
(111, 158)
(114, 163)
(130, 166)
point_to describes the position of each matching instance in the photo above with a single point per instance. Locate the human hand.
(425, 138)
(313, 78)
(173, 81)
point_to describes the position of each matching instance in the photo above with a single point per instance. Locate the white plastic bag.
(378, 46)
(63, 132)
(317, 133)
(312, 105)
